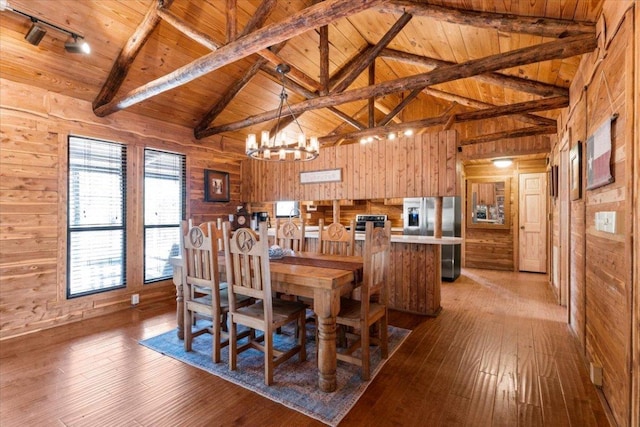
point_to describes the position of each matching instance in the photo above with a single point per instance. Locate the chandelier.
(278, 148)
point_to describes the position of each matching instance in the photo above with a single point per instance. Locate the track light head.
(35, 33)
(77, 46)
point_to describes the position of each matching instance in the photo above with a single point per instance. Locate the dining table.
(321, 277)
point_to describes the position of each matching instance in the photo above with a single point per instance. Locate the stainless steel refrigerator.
(418, 218)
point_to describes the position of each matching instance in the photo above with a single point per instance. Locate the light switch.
(610, 222)
(606, 221)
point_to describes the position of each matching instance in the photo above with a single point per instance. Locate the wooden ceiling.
(359, 67)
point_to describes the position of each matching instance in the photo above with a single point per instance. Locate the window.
(287, 209)
(96, 238)
(164, 207)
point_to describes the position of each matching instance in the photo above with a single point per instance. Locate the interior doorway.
(532, 235)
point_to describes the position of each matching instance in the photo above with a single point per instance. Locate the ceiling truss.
(572, 38)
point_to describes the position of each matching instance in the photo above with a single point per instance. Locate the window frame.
(146, 227)
(73, 230)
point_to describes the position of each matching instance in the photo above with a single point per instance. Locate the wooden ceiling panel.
(108, 26)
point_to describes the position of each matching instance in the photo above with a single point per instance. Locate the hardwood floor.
(499, 354)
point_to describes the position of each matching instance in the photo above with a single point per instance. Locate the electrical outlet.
(135, 299)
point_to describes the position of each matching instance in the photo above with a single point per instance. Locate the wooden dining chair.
(336, 239)
(371, 309)
(290, 235)
(204, 296)
(248, 275)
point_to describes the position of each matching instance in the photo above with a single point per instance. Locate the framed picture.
(599, 156)
(575, 159)
(216, 186)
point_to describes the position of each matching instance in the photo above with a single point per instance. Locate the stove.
(361, 221)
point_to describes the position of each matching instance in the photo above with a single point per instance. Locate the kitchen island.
(415, 270)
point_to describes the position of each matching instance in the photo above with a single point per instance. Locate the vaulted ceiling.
(358, 67)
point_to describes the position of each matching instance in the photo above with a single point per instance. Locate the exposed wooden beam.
(232, 20)
(372, 101)
(468, 102)
(450, 119)
(324, 60)
(414, 93)
(522, 107)
(188, 30)
(387, 111)
(128, 54)
(295, 73)
(293, 86)
(508, 134)
(447, 118)
(296, 24)
(511, 82)
(384, 130)
(557, 49)
(232, 91)
(341, 72)
(258, 19)
(358, 114)
(363, 61)
(347, 118)
(546, 27)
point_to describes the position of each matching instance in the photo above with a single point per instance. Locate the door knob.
(522, 227)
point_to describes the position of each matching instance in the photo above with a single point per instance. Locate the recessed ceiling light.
(502, 163)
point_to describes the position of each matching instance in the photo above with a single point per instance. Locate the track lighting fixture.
(75, 44)
(35, 34)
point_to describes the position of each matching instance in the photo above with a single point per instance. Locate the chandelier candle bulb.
(251, 142)
(265, 138)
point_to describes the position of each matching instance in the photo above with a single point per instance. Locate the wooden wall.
(493, 248)
(422, 165)
(34, 128)
(601, 265)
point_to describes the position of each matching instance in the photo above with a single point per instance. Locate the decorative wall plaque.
(327, 175)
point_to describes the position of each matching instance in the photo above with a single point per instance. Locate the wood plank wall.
(490, 248)
(34, 127)
(422, 165)
(601, 264)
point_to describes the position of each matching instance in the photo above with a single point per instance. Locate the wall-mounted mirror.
(488, 203)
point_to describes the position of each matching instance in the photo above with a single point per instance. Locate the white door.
(532, 218)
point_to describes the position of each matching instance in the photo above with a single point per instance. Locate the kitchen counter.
(311, 232)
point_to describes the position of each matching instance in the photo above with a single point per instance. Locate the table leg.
(326, 305)
(180, 312)
(177, 280)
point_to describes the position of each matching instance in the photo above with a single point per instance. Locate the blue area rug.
(295, 383)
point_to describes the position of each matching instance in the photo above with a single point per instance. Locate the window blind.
(96, 216)
(164, 207)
